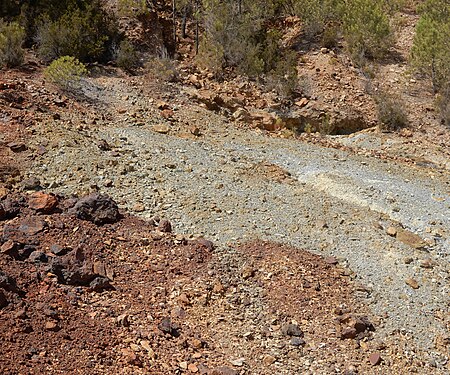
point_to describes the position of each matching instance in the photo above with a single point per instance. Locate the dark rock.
(3, 300)
(206, 243)
(291, 330)
(7, 283)
(355, 326)
(97, 208)
(7, 171)
(60, 250)
(99, 284)
(9, 209)
(17, 147)
(42, 202)
(165, 226)
(297, 341)
(167, 326)
(348, 333)
(31, 183)
(103, 145)
(25, 251)
(38, 257)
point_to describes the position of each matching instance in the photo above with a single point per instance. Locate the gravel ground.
(233, 185)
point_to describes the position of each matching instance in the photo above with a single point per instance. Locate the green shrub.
(11, 39)
(238, 35)
(315, 14)
(83, 32)
(284, 77)
(127, 56)
(391, 115)
(66, 73)
(366, 29)
(431, 49)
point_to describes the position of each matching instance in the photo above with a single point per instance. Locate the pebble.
(412, 283)
(269, 360)
(375, 359)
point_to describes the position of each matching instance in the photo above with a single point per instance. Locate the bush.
(366, 29)
(315, 14)
(127, 57)
(430, 53)
(66, 73)
(11, 39)
(83, 32)
(391, 115)
(162, 68)
(284, 77)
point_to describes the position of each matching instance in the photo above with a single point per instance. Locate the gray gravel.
(334, 203)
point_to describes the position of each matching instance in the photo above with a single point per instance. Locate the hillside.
(174, 219)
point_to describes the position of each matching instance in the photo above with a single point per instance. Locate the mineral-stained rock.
(100, 209)
(42, 202)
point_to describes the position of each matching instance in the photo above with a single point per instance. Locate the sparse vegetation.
(390, 109)
(66, 73)
(11, 39)
(162, 68)
(84, 32)
(127, 57)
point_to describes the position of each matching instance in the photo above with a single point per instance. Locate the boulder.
(97, 208)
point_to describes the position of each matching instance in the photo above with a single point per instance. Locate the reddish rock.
(375, 359)
(31, 226)
(167, 113)
(131, 357)
(165, 226)
(42, 202)
(51, 326)
(8, 247)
